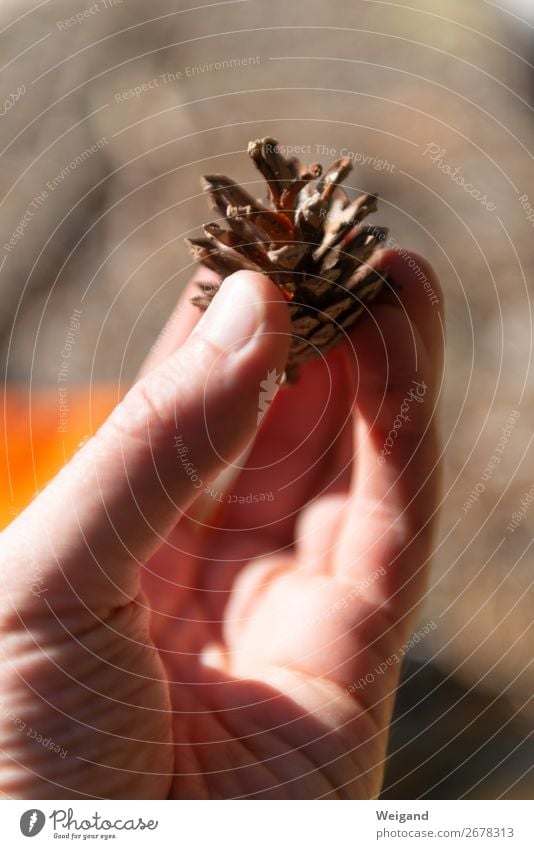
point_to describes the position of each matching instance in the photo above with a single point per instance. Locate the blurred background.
(109, 114)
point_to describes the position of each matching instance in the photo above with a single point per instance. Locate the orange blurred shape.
(41, 430)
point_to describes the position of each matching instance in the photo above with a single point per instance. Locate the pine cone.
(308, 238)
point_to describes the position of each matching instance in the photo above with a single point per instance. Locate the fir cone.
(308, 238)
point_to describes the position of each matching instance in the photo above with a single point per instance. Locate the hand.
(255, 654)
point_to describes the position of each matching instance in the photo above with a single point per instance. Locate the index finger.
(183, 319)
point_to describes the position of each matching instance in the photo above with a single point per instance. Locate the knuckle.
(148, 410)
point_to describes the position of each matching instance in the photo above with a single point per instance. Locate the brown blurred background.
(100, 183)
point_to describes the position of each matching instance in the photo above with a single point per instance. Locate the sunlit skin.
(218, 659)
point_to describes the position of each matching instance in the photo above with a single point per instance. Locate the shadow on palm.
(302, 452)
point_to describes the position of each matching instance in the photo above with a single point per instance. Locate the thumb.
(120, 495)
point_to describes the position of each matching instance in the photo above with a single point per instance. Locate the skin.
(176, 658)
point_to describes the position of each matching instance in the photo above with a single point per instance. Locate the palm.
(273, 703)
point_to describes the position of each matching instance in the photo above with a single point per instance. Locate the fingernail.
(235, 314)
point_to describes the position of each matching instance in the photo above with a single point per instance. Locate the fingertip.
(413, 282)
(398, 341)
(414, 290)
(403, 265)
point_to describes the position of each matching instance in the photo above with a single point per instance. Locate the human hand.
(168, 658)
